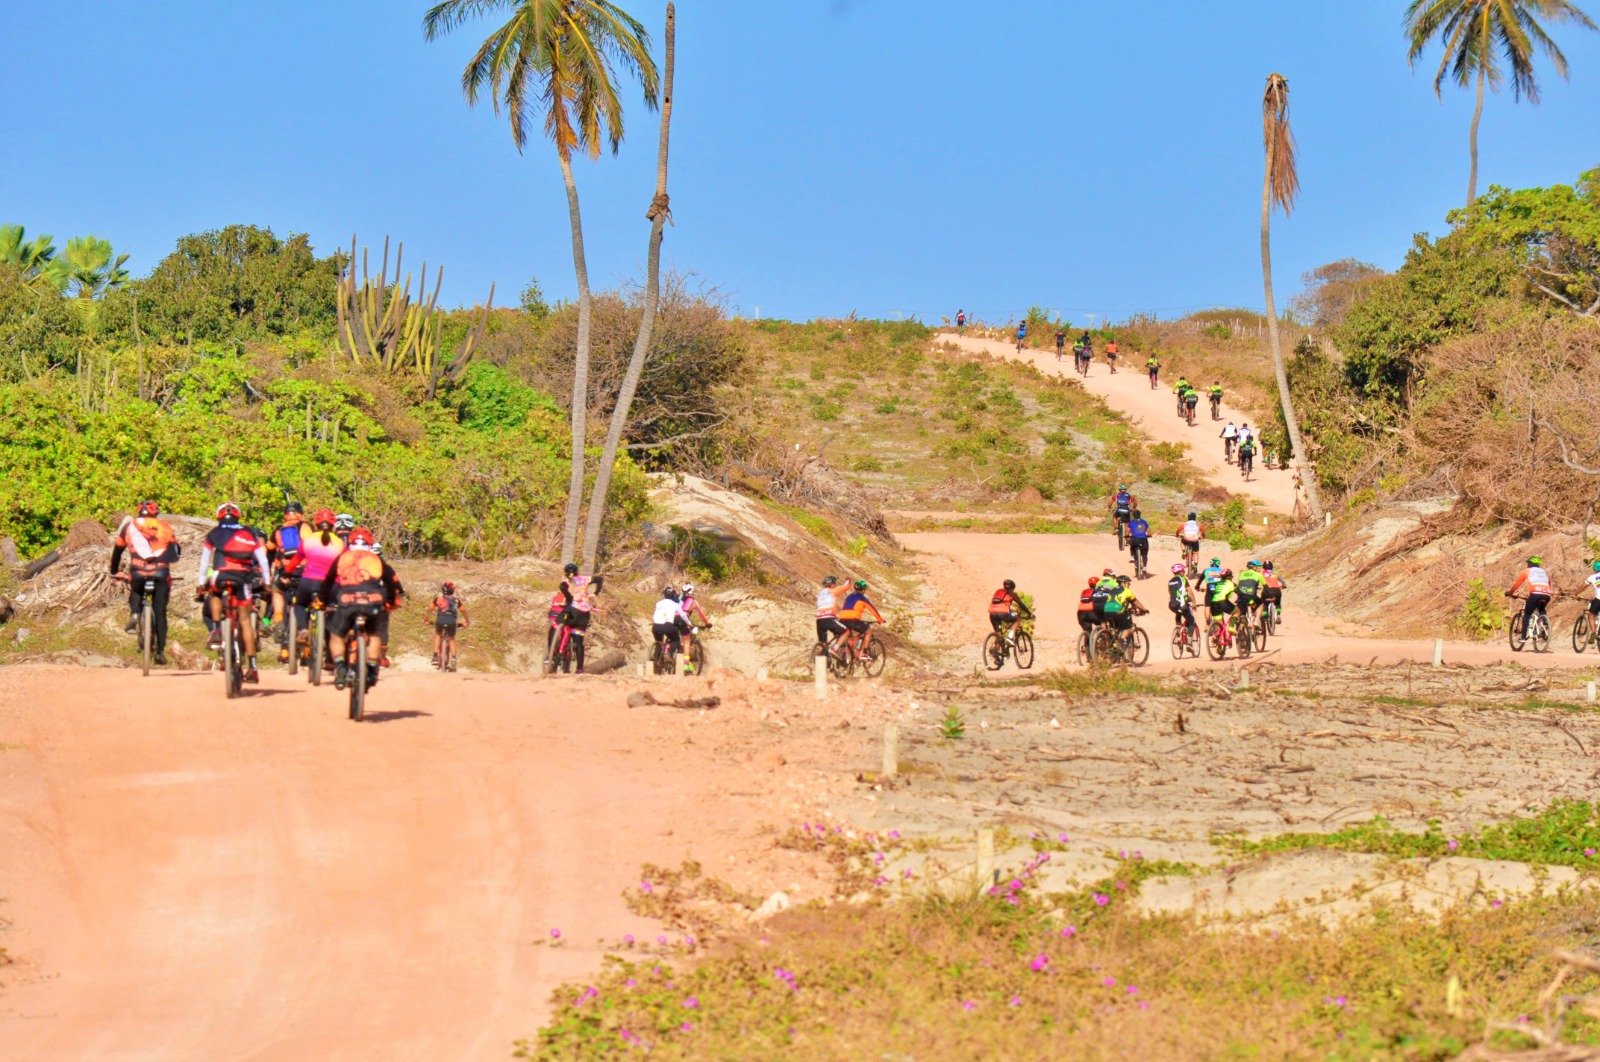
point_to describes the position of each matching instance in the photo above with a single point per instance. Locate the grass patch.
(1567, 833)
(1016, 976)
(1076, 683)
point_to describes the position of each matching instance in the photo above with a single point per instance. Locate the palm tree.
(1480, 35)
(1280, 185)
(558, 58)
(90, 268)
(35, 258)
(660, 210)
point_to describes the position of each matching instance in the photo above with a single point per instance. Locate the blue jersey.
(1138, 529)
(1211, 575)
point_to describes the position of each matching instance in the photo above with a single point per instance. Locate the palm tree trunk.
(1308, 476)
(1472, 181)
(657, 214)
(580, 369)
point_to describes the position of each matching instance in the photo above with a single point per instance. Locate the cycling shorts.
(578, 621)
(859, 626)
(997, 618)
(1594, 606)
(342, 619)
(1087, 620)
(1188, 546)
(828, 627)
(1191, 400)
(240, 582)
(667, 632)
(445, 625)
(1220, 608)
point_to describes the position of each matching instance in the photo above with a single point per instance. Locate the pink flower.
(644, 887)
(1451, 846)
(1495, 903)
(555, 934)
(1588, 851)
(1040, 961)
(894, 835)
(1133, 990)
(1101, 899)
(686, 1027)
(627, 938)
(1070, 931)
(1016, 1001)
(1110, 982)
(1143, 1005)
(691, 1003)
(906, 873)
(969, 1005)
(661, 940)
(1062, 838)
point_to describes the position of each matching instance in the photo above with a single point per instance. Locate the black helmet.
(294, 507)
(1192, 516)
(830, 580)
(670, 593)
(1136, 515)
(571, 568)
(1009, 584)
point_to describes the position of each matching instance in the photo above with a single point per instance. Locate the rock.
(1029, 496)
(22, 635)
(774, 904)
(7, 609)
(639, 699)
(8, 550)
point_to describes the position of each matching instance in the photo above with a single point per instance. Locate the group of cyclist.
(845, 616)
(674, 621)
(303, 566)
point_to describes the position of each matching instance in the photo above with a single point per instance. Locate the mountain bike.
(1153, 374)
(292, 626)
(561, 655)
(1120, 519)
(1015, 644)
(1538, 633)
(1223, 634)
(319, 647)
(1191, 560)
(664, 658)
(1131, 648)
(1269, 616)
(1086, 646)
(361, 668)
(1247, 460)
(844, 658)
(1584, 632)
(147, 617)
(1140, 571)
(1189, 408)
(1227, 448)
(1083, 365)
(1185, 642)
(232, 642)
(1216, 407)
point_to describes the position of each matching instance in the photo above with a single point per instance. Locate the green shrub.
(1482, 614)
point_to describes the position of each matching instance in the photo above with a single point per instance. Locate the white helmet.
(687, 589)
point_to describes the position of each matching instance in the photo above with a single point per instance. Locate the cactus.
(380, 324)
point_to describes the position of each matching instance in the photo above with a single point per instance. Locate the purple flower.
(894, 835)
(1016, 1001)
(627, 938)
(1062, 838)
(1133, 990)
(631, 983)
(1110, 982)
(644, 887)
(1070, 931)
(691, 1003)
(1588, 851)
(1040, 961)
(1495, 903)
(661, 940)
(1101, 899)
(906, 873)
(686, 1027)
(688, 942)
(1452, 846)
(969, 1005)
(1143, 1005)
(555, 934)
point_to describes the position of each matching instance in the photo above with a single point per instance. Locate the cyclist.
(1178, 389)
(828, 597)
(151, 547)
(1220, 596)
(1245, 432)
(343, 524)
(1022, 335)
(1082, 353)
(1207, 579)
(283, 557)
(1007, 610)
(240, 554)
(668, 622)
(961, 320)
(1594, 584)
(557, 609)
(1088, 344)
(1111, 354)
(1247, 454)
(578, 591)
(1191, 400)
(1215, 394)
(1189, 536)
(360, 583)
(395, 599)
(856, 606)
(1230, 435)
(1272, 590)
(445, 613)
(1120, 608)
(1152, 365)
(1249, 585)
(319, 550)
(1179, 601)
(1088, 609)
(1540, 591)
(1122, 504)
(1104, 587)
(1061, 342)
(1139, 541)
(692, 609)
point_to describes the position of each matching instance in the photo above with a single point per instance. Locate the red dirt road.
(188, 878)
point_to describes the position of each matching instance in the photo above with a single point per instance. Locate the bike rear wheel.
(1180, 643)
(1023, 651)
(319, 648)
(1582, 632)
(294, 640)
(1272, 620)
(232, 665)
(1085, 648)
(1516, 635)
(1216, 646)
(1541, 633)
(1122, 543)
(1139, 648)
(147, 622)
(358, 687)
(697, 657)
(1104, 646)
(994, 652)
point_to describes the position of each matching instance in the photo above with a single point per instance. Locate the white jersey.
(1538, 581)
(1594, 583)
(1191, 531)
(668, 611)
(1244, 433)
(1230, 432)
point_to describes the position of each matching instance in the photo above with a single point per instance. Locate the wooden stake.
(891, 749)
(985, 867)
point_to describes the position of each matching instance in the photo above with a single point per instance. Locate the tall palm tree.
(1280, 185)
(1481, 35)
(558, 59)
(91, 267)
(660, 210)
(35, 258)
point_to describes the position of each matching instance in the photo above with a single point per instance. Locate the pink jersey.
(318, 557)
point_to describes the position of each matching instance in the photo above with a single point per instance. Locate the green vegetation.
(952, 727)
(1098, 681)
(1567, 833)
(1482, 614)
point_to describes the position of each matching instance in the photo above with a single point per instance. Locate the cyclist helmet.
(323, 519)
(830, 580)
(687, 589)
(1010, 584)
(1136, 514)
(1536, 562)
(1122, 486)
(1253, 564)
(293, 507)
(149, 508)
(670, 593)
(361, 538)
(570, 568)
(1108, 572)
(344, 522)
(1124, 579)
(448, 588)
(1216, 562)
(1595, 566)
(1227, 573)
(1177, 569)
(1269, 566)
(377, 549)
(860, 584)
(228, 511)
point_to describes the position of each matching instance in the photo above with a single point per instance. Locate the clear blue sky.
(882, 156)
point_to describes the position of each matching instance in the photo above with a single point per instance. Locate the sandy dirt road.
(188, 878)
(1153, 412)
(965, 568)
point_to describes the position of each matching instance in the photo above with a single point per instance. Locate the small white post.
(985, 868)
(1244, 678)
(1588, 688)
(820, 677)
(640, 669)
(761, 673)
(891, 750)
(1327, 519)
(1438, 652)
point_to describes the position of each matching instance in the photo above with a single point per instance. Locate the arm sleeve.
(116, 558)
(596, 582)
(325, 588)
(876, 615)
(261, 561)
(205, 562)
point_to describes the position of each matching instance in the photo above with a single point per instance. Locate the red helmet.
(323, 519)
(1093, 581)
(448, 588)
(228, 511)
(361, 537)
(149, 508)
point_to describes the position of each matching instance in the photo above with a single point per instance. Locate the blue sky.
(890, 157)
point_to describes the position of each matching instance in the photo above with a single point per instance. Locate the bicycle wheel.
(697, 657)
(358, 681)
(1023, 652)
(1243, 638)
(1104, 647)
(294, 640)
(147, 621)
(319, 648)
(872, 660)
(231, 675)
(1180, 642)
(1121, 543)
(1541, 633)
(1085, 649)
(1272, 620)
(1139, 652)
(1515, 634)
(994, 652)
(1582, 630)
(1216, 648)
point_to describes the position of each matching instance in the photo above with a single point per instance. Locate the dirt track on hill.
(1153, 413)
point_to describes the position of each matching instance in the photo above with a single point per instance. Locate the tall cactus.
(380, 324)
